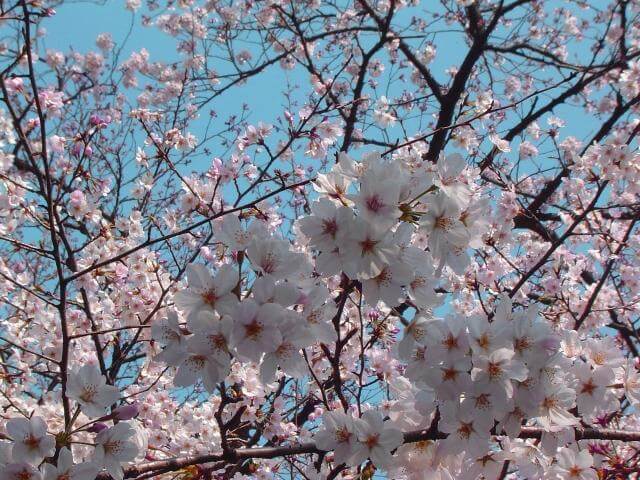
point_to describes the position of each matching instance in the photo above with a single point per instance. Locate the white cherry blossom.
(376, 440)
(366, 249)
(338, 433)
(442, 223)
(207, 292)
(467, 430)
(574, 465)
(499, 369)
(20, 471)
(31, 442)
(168, 333)
(255, 329)
(67, 470)
(89, 388)
(116, 446)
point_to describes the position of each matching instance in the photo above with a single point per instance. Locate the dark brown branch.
(241, 454)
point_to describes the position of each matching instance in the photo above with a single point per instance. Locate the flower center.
(342, 434)
(269, 263)
(209, 297)
(253, 330)
(599, 358)
(367, 245)
(313, 317)
(384, 278)
(113, 447)
(419, 354)
(285, 350)
(450, 342)
(32, 442)
(372, 440)
(588, 387)
(241, 236)
(465, 429)
(443, 223)
(88, 392)
(197, 362)
(169, 335)
(23, 475)
(575, 471)
(449, 374)
(522, 344)
(423, 445)
(374, 203)
(330, 227)
(337, 193)
(218, 342)
(482, 401)
(549, 403)
(417, 332)
(494, 370)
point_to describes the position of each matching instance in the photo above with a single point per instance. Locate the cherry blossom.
(376, 439)
(572, 464)
(67, 470)
(31, 443)
(339, 434)
(206, 292)
(255, 329)
(20, 471)
(88, 387)
(467, 430)
(115, 446)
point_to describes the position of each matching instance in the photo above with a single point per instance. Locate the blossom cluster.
(114, 446)
(479, 375)
(310, 242)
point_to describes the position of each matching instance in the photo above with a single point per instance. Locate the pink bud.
(77, 149)
(99, 121)
(126, 412)
(97, 427)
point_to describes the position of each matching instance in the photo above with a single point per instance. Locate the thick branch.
(240, 454)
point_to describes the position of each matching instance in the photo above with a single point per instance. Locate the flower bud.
(126, 412)
(97, 427)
